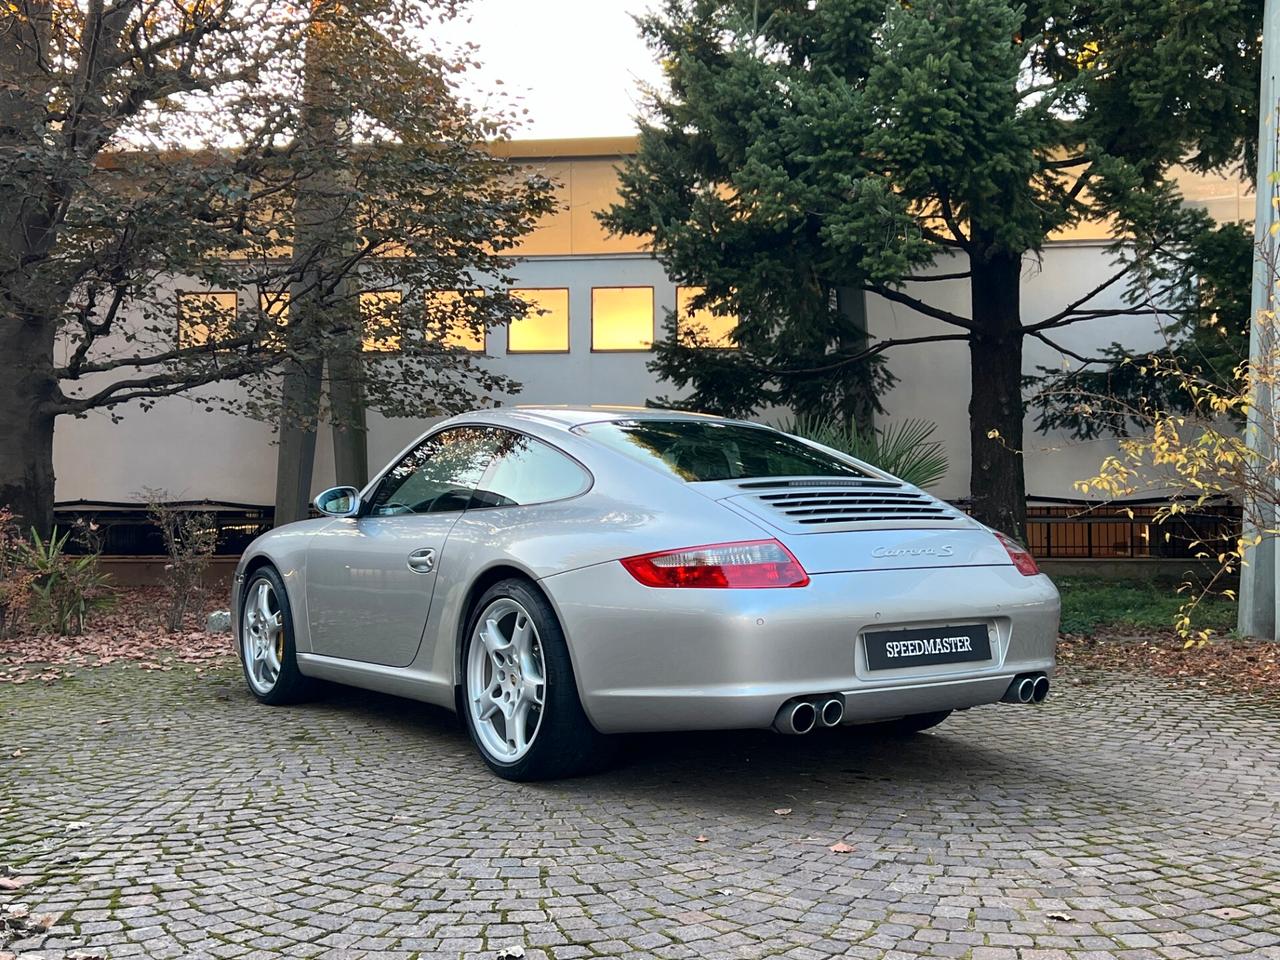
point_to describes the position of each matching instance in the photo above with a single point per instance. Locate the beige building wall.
(196, 454)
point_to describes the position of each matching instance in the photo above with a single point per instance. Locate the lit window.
(622, 318)
(275, 305)
(699, 326)
(451, 320)
(380, 320)
(205, 317)
(545, 328)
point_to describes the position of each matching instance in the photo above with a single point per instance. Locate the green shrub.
(903, 449)
(64, 588)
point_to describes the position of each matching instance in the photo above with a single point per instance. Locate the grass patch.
(1091, 604)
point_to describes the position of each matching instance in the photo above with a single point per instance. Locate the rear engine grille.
(877, 500)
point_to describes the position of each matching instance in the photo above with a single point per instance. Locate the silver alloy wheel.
(262, 636)
(506, 680)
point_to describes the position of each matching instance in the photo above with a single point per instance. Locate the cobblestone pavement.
(1119, 820)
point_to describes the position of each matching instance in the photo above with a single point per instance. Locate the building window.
(621, 318)
(274, 305)
(699, 326)
(451, 319)
(205, 317)
(545, 328)
(380, 320)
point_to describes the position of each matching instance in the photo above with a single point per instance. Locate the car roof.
(566, 416)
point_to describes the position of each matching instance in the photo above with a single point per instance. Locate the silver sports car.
(557, 575)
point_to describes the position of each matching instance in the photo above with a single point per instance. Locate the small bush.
(15, 577)
(64, 589)
(190, 539)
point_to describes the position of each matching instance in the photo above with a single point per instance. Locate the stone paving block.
(1121, 821)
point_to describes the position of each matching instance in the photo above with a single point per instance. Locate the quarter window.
(621, 318)
(527, 471)
(437, 475)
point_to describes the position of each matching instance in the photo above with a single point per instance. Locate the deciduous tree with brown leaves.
(152, 147)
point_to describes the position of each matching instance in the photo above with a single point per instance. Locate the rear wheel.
(520, 699)
(915, 723)
(267, 650)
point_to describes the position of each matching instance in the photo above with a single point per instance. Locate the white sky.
(576, 65)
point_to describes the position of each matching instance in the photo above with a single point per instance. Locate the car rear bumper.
(659, 659)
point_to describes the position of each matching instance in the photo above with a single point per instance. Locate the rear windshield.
(694, 450)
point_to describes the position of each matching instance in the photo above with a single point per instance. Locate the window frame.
(590, 477)
(568, 324)
(366, 495)
(731, 345)
(181, 326)
(396, 334)
(482, 350)
(653, 316)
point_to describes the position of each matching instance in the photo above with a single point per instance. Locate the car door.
(370, 579)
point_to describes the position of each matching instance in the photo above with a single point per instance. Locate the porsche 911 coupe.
(560, 575)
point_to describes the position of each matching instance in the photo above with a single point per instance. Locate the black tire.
(290, 685)
(565, 743)
(916, 723)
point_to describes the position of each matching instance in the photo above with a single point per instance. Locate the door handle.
(423, 561)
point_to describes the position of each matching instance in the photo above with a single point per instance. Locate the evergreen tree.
(806, 146)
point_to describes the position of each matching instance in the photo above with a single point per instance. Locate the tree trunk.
(295, 460)
(27, 390)
(347, 408)
(997, 483)
(858, 407)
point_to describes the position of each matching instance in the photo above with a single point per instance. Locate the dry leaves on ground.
(1243, 666)
(130, 632)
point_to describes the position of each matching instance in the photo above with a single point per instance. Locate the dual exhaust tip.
(1029, 688)
(800, 716)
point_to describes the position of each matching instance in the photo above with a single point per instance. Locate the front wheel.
(520, 699)
(267, 650)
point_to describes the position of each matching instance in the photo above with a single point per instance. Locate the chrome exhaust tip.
(1040, 689)
(832, 712)
(796, 717)
(1021, 690)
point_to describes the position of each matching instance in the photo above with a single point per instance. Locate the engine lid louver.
(810, 503)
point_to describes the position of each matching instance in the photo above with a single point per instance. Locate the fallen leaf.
(841, 847)
(783, 811)
(44, 921)
(17, 753)
(1062, 917)
(699, 839)
(14, 883)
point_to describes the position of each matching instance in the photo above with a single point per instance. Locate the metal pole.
(1258, 595)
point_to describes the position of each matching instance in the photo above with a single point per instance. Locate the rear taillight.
(748, 564)
(1021, 558)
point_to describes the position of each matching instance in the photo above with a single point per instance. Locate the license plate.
(926, 646)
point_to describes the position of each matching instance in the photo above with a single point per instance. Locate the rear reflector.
(1022, 559)
(748, 564)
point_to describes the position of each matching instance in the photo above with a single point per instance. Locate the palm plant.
(904, 449)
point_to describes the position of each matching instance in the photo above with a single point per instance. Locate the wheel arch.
(483, 581)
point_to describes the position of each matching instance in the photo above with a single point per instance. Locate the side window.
(525, 470)
(437, 475)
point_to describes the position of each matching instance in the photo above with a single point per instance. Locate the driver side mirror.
(338, 502)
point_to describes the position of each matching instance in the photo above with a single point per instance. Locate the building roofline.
(565, 147)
